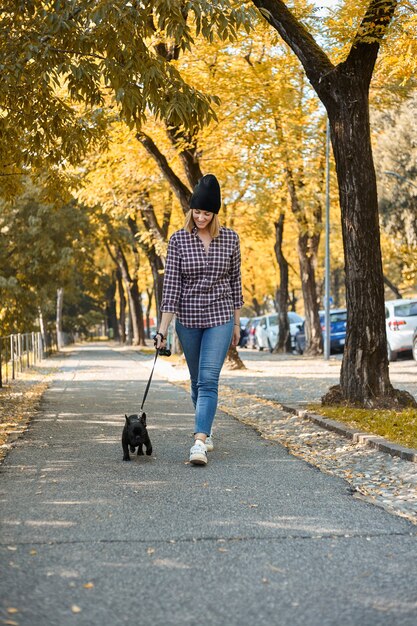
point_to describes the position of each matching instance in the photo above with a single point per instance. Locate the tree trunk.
(364, 373)
(155, 260)
(307, 246)
(337, 281)
(157, 268)
(136, 294)
(307, 259)
(233, 360)
(122, 305)
(42, 330)
(256, 306)
(150, 293)
(284, 337)
(111, 315)
(135, 306)
(293, 301)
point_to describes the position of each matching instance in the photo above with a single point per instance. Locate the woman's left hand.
(236, 336)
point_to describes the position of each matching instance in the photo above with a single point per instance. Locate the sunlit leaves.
(92, 50)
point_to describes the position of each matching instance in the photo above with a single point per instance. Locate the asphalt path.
(257, 536)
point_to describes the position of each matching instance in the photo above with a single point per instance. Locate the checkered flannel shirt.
(203, 289)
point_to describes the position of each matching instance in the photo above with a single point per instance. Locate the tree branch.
(186, 145)
(314, 60)
(365, 45)
(181, 191)
(149, 217)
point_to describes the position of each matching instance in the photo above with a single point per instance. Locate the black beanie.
(206, 194)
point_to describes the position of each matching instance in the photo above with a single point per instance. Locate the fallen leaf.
(150, 550)
(33, 552)
(274, 568)
(12, 610)
(222, 550)
(88, 585)
(75, 609)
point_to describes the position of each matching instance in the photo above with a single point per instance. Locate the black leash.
(149, 381)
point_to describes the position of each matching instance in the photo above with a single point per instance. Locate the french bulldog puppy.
(135, 435)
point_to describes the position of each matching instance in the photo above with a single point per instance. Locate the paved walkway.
(257, 536)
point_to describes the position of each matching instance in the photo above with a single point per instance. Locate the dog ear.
(127, 419)
(143, 418)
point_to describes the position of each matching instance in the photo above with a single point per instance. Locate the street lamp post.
(327, 250)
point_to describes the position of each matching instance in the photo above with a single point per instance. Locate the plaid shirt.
(202, 288)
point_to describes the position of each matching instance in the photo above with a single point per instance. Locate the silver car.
(267, 330)
(401, 320)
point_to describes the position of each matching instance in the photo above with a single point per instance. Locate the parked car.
(251, 330)
(267, 330)
(338, 319)
(415, 344)
(244, 333)
(401, 321)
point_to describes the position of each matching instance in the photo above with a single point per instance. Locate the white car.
(267, 330)
(401, 320)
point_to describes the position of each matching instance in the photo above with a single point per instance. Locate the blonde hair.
(214, 226)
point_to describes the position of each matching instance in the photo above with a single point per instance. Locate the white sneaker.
(209, 443)
(198, 453)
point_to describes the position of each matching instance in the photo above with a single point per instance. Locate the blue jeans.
(205, 350)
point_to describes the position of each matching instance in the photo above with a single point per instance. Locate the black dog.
(135, 435)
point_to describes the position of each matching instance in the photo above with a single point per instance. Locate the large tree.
(343, 88)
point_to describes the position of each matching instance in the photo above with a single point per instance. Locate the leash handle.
(149, 381)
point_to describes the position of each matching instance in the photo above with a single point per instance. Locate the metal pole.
(327, 252)
(12, 354)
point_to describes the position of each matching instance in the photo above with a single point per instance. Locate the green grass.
(396, 426)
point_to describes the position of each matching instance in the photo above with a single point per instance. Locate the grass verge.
(396, 426)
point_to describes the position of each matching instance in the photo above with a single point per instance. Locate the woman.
(202, 286)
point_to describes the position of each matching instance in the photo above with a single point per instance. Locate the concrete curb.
(358, 436)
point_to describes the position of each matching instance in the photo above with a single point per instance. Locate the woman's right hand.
(159, 340)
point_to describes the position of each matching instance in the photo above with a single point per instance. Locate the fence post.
(12, 354)
(19, 352)
(6, 343)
